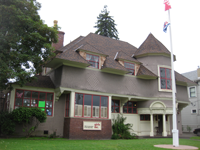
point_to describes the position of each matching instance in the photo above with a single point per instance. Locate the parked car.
(197, 131)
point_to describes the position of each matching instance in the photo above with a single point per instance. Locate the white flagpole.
(174, 130)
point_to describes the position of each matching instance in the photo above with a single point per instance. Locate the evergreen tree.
(106, 25)
(24, 40)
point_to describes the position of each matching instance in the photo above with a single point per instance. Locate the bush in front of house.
(30, 118)
(120, 129)
(7, 125)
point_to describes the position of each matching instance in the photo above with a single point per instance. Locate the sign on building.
(91, 125)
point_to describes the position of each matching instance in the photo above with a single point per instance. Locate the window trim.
(192, 112)
(91, 116)
(93, 61)
(130, 107)
(38, 100)
(115, 106)
(159, 82)
(67, 105)
(144, 117)
(130, 68)
(189, 91)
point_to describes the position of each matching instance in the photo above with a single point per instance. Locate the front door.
(160, 124)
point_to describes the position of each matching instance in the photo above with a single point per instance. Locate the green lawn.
(63, 144)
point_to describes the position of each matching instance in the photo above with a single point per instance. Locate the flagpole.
(174, 130)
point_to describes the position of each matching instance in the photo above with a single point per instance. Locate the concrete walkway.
(182, 147)
(187, 135)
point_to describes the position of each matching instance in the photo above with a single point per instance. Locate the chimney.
(61, 34)
(198, 73)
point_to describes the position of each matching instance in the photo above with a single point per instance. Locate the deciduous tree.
(25, 41)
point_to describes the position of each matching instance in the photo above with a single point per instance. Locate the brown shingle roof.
(113, 64)
(144, 71)
(151, 45)
(124, 56)
(72, 56)
(74, 42)
(181, 78)
(99, 43)
(41, 81)
(90, 48)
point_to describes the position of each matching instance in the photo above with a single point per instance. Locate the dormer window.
(93, 60)
(130, 67)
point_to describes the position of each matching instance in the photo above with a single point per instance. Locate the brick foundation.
(73, 129)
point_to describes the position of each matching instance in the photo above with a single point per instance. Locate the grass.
(63, 144)
(195, 138)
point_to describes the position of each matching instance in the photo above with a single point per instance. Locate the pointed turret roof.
(151, 46)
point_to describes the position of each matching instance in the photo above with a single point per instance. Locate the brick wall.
(73, 129)
(59, 44)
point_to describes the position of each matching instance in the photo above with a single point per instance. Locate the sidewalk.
(187, 135)
(184, 135)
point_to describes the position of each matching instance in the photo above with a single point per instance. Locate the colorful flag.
(167, 5)
(166, 24)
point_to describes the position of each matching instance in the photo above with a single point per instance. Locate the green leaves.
(106, 25)
(120, 129)
(23, 36)
(24, 115)
(7, 125)
(29, 116)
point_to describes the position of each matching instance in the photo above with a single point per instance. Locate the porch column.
(151, 121)
(168, 125)
(71, 108)
(164, 126)
(110, 107)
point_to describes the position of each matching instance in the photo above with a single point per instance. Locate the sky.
(135, 20)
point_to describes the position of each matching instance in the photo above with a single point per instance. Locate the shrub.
(189, 128)
(29, 118)
(7, 125)
(115, 136)
(120, 129)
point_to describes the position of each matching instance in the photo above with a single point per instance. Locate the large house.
(191, 113)
(94, 78)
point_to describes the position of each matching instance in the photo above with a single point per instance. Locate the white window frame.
(98, 60)
(189, 91)
(159, 84)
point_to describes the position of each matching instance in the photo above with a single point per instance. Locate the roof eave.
(154, 54)
(114, 71)
(57, 62)
(147, 77)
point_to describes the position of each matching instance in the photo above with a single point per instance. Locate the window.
(192, 91)
(67, 105)
(115, 106)
(193, 111)
(91, 106)
(93, 60)
(130, 107)
(130, 67)
(42, 100)
(145, 117)
(165, 78)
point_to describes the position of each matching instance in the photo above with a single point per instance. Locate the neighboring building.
(94, 78)
(191, 113)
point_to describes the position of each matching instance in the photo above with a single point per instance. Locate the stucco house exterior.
(191, 113)
(94, 78)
